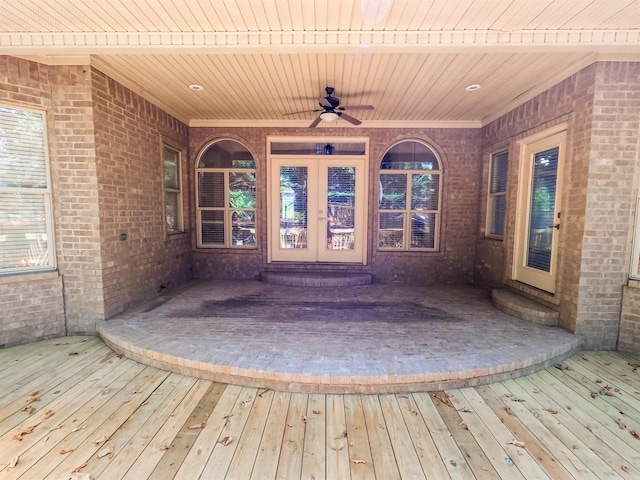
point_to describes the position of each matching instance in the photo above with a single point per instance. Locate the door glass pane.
(293, 207)
(341, 198)
(542, 204)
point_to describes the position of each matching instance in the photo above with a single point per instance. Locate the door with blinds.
(318, 206)
(539, 212)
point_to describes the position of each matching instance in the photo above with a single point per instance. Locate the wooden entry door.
(539, 212)
(318, 209)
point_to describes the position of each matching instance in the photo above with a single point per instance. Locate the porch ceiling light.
(196, 88)
(329, 116)
(473, 88)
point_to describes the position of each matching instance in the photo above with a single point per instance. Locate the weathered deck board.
(164, 425)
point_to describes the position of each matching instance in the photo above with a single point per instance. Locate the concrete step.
(316, 279)
(524, 308)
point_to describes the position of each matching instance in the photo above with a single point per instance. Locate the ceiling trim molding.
(44, 43)
(365, 124)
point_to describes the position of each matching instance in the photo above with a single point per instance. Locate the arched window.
(409, 203)
(226, 196)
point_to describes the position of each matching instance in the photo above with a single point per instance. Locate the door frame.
(359, 254)
(546, 281)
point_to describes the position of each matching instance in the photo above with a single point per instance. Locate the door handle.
(556, 226)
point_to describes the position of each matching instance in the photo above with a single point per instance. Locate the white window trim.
(179, 191)
(48, 201)
(491, 195)
(227, 209)
(408, 211)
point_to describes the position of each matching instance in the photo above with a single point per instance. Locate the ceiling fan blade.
(315, 122)
(358, 107)
(349, 118)
(325, 103)
(303, 111)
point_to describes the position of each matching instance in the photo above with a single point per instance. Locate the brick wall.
(613, 187)
(601, 107)
(130, 133)
(72, 154)
(629, 339)
(458, 149)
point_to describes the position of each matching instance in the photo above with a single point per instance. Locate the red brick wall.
(458, 149)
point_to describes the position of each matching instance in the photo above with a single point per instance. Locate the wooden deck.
(72, 405)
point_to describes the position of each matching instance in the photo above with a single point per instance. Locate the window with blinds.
(26, 233)
(172, 191)
(226, 196)
(409, 198)
(497, 201)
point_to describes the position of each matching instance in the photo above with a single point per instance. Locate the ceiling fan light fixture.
(329, 116)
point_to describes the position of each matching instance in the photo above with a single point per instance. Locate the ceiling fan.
(331, 110)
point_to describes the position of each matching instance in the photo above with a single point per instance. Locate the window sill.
(176, 236)
(633, 283)
(28, 276)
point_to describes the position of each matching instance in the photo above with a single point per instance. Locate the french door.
(539, 213)
(317, 211)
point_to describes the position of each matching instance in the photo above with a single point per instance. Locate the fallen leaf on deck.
(359, 462)
(598, 381)
(463, 425)
(225, 441)
(517, 443)
(13, 462)
(166, 447)
(465, 410)
(624, 468)
(343, 435)
(620, 424)
(317, 412)
(77, 469)
(73, 353)
(304, 418)
(49, 414)
(263, 392)
(64, 451)
(77, 429)
(593, 394)
(107, 451)
(100, 441)
(443, 400)
(634, 434)
(518, 400)
(35, 394)
(562, 367)
(18, 436)
(30, 410)
(198, 425)
(536, 391)
(551, 410)
(57, 427)
(228, 416)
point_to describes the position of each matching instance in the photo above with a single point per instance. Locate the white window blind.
(25, 202)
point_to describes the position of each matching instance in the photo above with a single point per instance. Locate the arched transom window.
(409, 203)
(226, 196)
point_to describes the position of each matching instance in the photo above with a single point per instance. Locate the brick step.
(524, 308)
(316, 279)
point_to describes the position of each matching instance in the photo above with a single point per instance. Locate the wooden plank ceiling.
(258, 59)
